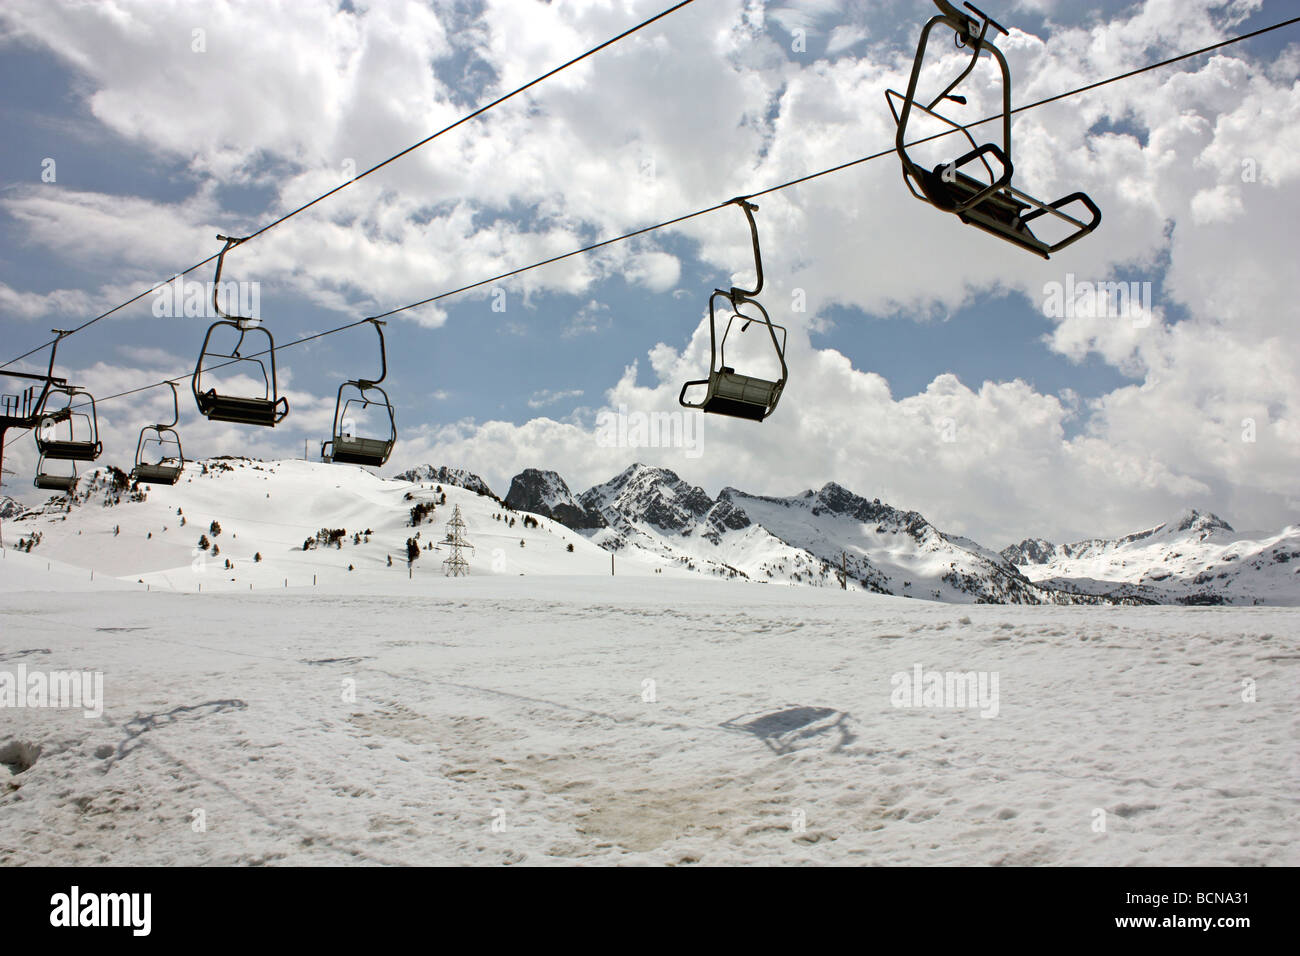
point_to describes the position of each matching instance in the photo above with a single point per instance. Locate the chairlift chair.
(991, 204)
(82, 443)
(728, 392)
(267, 410)
(64, 484)
(167, 470)
(346, 447)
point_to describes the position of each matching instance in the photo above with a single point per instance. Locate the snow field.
(505, 719)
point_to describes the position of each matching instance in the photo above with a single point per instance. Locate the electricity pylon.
(456, 565)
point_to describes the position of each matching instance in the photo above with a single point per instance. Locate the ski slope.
(271, 508)
(509, 720)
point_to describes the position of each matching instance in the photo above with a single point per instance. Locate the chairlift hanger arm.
(966, 25)
(94, 418)
(383, 357)
(242, 321)
(985, 17)
(176, 409)
(736, 292)
(713, 351)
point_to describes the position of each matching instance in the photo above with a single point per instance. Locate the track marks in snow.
(20, 655)
(138, 726)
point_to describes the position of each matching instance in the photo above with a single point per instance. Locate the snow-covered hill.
(267, 511)
(1195, 558)
(442, 475)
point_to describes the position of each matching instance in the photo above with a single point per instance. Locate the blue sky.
(897, 289)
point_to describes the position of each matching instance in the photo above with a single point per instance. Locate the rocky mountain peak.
(442, 475)
(1030, 551)
(1199, 524)
(547, 494)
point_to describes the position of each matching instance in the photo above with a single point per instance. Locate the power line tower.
(27, 409)
(456, 565)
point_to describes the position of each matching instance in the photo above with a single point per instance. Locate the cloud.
(541, 399)
(592, 317)
(33, 305)
(1195, 168)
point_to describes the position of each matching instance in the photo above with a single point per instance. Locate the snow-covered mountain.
(810, 538)
(657, 522)
(651, 512)
(888, 550)
(9, 507)
(442, 475)
(546, 493)
(1189, 524)
(1196, 558)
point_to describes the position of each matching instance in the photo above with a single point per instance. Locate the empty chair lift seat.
(70, 450)
(360, 451)
(242, 411)
(157, 474)
(740, 396)
(63, 483)
(1000, 213)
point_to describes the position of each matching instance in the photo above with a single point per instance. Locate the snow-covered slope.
(651, 721)
(890, 551)
(442, 475)
(1194, 559)
(23, 572)
(267, 511)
